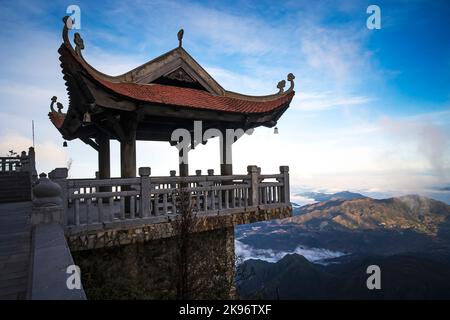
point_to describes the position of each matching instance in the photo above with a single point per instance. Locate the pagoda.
(149, 102)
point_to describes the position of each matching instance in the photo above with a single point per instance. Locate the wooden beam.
(91, 143)
(116, 127)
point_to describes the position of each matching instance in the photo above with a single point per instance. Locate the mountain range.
(408, 235)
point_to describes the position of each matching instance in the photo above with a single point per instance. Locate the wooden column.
(128, 147)
(104, 160)
(226, 169)
(128, 153)
(184, 166)
(128, 159)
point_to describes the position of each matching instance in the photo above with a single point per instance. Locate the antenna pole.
(32, 130)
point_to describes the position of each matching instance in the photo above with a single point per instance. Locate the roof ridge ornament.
(281, 86)
(79, 43)
(58, 105)
(180, 38)
(290, 78)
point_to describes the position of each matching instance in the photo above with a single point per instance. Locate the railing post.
(285, 192)
(59, 176)
(47, 202)
(145, 173)
(173, 173)
(253, 194)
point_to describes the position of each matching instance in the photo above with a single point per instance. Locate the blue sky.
(371, 111)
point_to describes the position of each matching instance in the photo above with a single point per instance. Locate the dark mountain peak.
(293, 258)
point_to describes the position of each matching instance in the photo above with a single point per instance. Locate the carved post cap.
(47, 202)
(252, 169)
(145, 171)
(46, 192)
(284, 169)
(210, 172)
(173, 173)
(198, 172)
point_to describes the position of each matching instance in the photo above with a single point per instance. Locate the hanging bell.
(275, 130)
(87, 117)
(65, 144)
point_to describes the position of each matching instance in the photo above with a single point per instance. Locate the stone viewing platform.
(69, 215)
(99, 212)
(127, 229)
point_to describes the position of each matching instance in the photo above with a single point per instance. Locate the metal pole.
(32, 129)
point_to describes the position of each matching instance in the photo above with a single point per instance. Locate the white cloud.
(318, 101)
(48, 155)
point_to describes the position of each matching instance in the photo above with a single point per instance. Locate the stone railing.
(20, 163)
(92, 203)
(50, 253)
(8, 164)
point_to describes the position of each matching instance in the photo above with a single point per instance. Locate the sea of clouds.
(314, 255)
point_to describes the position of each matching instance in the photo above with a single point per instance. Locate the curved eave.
(171, 95)
(133, 75)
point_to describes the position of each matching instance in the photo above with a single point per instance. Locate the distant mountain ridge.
(408, 237)
(407, 212)
(412, 224)
(320, 197)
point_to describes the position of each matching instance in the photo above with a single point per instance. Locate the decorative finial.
(291, 78)
(79, 43)
(281, 86)
(54, 98)
(67, 22)
(180, 37)
(59, 106)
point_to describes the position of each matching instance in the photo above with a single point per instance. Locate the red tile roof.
(180, 96)
(193, 98)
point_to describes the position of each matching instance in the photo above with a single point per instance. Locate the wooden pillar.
(128, 159)
(104, 160)
(184, 166)
(128, 153)
(128, 147)
(226, 166)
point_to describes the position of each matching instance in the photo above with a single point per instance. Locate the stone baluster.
(47, 202)
(59, 176)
